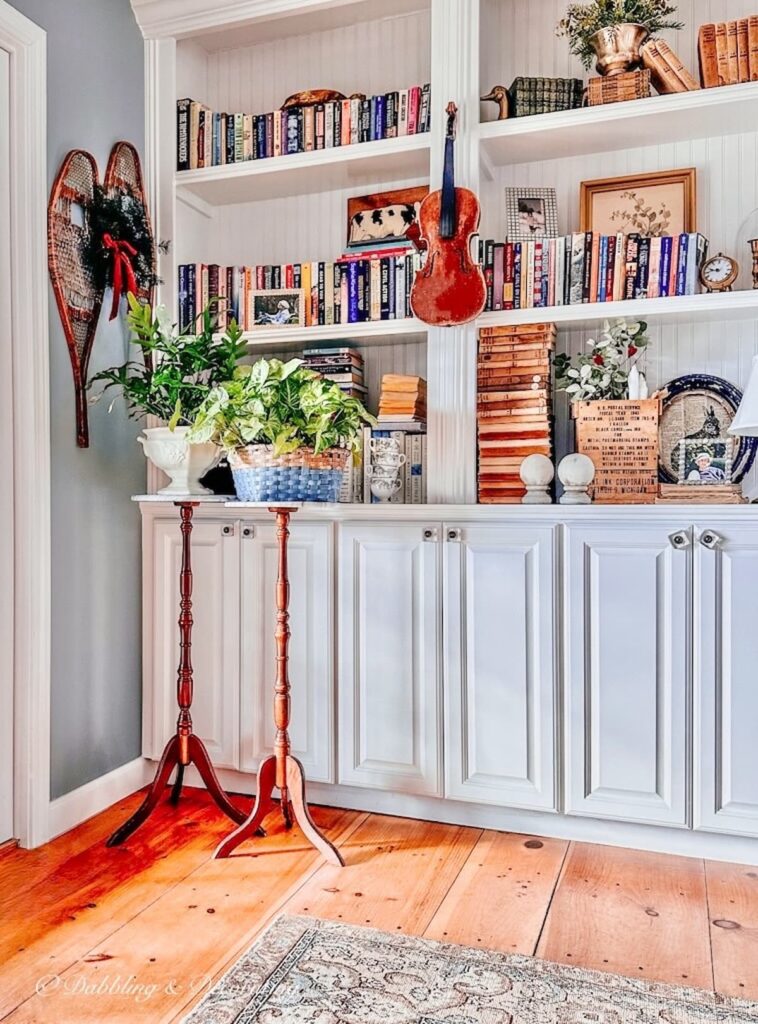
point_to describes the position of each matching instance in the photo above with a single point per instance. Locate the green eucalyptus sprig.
(602, 373)
(282, 404)
(176, 371)
(583, 20)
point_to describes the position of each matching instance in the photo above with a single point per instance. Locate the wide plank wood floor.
(138, 933)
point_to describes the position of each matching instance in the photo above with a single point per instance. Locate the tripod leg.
(168, 761)
(263, 804)
(176, 789)
(296, 788)
(199, 755)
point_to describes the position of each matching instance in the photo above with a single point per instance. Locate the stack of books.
(402, 400)
(632, 85)
(728, 52)
(587, 267)
(207, 138)
(514, 417)
(544, 95)
(342, 366)
(358, 287)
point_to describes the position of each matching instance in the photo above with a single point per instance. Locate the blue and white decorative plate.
(700, 407)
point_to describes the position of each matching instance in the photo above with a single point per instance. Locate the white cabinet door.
(499, 616)
(388, 671)
(726, 680)
(626, 661)
(311, 659)
(215, 646)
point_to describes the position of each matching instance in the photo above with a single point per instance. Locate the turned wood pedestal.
(281, 770)
(184, 747)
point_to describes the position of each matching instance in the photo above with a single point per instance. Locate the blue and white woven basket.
(259, 475)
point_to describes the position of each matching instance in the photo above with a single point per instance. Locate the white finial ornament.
(537, 474)
(576, 472)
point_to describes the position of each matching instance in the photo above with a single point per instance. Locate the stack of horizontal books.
(514, 413)
(632, 85)
(402, 400)
(342, 366)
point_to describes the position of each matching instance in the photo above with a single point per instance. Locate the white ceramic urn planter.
(183, 463)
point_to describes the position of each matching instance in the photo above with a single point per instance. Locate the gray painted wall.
(95, 97)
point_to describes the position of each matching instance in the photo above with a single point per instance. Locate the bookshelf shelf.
(680, 309)
(379, 332)
(707, 113)
(323, 170)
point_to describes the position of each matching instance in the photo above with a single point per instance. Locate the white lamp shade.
(745, 423)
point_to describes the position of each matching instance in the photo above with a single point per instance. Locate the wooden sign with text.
(621, 438)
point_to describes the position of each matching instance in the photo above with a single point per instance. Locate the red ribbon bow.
(123, 272)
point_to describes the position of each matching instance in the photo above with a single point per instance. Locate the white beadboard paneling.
(518, 38)
(369, 57)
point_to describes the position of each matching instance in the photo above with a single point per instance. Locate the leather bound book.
(665, 79)
(722, 53)
(675, 63)
(706, 48)
(733, 51)
(752, 30)
(743, 50)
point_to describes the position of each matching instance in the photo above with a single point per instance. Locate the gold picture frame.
(658, 203)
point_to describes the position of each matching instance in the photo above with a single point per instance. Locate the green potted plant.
(287, 432)
(612, 31)
(170, 380)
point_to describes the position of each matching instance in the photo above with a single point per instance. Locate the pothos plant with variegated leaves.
(602, 372)
(285, 405)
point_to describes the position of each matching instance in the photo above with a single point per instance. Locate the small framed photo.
(383, 218)
(705, 461)
(530, 213)
(279, 307)
(651, 205)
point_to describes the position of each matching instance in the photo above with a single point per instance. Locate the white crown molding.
(164, 18)
(26, 42)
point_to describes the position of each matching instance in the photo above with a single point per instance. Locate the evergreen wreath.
(120, 214)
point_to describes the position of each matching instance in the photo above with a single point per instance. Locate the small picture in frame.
(530, 213)
(705, 461)
(383, 218)
(279, 307)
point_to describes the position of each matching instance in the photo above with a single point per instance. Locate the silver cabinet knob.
(454, 535)
(710, 539)
(431, 533)
(248, 532)
(680, 540)
(227, 531)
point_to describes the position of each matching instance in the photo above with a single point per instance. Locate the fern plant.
(176, 371)
(281, 404)
(583, 20)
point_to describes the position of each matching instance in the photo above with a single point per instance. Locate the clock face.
(718, 270)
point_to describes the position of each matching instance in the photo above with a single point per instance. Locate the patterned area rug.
(306, 971)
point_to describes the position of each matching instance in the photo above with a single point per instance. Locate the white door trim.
(26, 44)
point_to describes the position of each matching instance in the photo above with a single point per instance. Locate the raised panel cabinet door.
(499, 622)
(311, 658)
(726, 679)
(215, 636)
(388, 669)
(627, 655)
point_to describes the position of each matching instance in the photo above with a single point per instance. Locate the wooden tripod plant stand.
(281, 770)
(184, 747)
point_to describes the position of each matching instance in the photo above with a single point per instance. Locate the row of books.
(208, 138)
(544, 95)
(342, 366)
(514, 408)
(352, 289)
(587, 267)
(356, 483)
(728, 52)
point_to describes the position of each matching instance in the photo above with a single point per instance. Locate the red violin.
(449, 289)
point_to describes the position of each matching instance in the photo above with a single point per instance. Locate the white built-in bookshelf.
(251, 55)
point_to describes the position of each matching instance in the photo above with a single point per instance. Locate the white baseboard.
(71, 809)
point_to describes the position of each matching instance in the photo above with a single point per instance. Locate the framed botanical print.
(661, 203)
(530, 213)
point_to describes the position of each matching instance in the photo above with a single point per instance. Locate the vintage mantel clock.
(718, 273)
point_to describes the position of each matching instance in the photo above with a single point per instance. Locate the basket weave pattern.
(259, 475)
